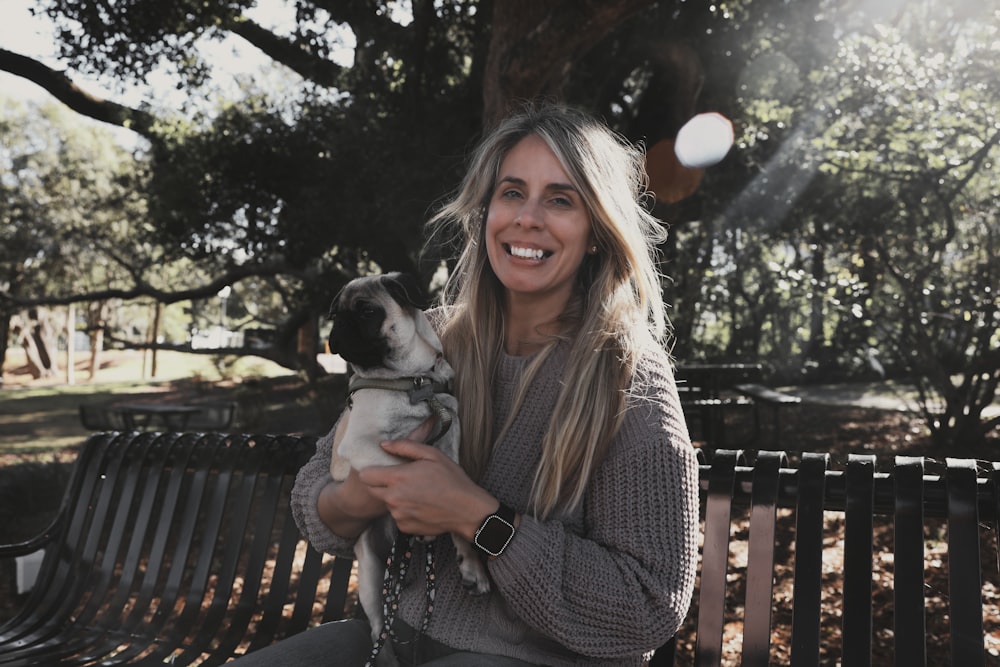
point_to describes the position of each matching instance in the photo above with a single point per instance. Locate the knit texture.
(604, 585)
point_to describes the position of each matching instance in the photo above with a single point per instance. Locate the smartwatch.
(496, 532)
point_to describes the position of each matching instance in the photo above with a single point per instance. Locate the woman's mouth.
(526, 253)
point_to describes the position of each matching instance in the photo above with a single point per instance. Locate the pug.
(400, 378)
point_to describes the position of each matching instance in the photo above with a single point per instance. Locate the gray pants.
(348, 643)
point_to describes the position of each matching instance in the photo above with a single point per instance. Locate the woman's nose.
(529, 215)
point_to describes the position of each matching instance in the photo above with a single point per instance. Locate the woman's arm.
(622, 584)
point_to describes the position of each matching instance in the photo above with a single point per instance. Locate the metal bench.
(179, 548)
(173, 548)
(796, 516)
(101, 418)
(212, 417)
(710, 393)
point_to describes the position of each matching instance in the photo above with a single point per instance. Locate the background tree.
(855, 214)
(73, 214)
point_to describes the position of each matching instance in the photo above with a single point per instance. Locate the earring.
(593, 249)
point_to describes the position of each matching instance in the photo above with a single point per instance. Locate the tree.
(72, 209)
(866, 213)
(335, 175)
(780, 253)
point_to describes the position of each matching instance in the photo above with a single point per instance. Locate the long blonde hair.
(616, 308)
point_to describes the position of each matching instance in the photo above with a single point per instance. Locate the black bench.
(180, 548)
(143, 416)
(101, 418)
(173, 548)
(710, 393)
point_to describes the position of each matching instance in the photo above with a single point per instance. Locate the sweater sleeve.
(623, 587)
(309, 481)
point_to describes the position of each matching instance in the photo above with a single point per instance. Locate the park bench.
(143, 416)
(711, 394)
(101, 418)
(179, 548)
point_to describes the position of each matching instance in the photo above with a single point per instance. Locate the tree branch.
(142, 289)
(67, 92)
(287, 52)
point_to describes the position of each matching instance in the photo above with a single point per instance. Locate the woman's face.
(537, 227)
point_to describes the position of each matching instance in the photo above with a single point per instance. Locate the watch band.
(496, 531)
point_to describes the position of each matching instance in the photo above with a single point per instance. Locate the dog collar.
(419, 389)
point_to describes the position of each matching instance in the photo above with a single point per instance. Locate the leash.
(392, 587)
(419, 389)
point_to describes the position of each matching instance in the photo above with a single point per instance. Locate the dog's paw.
(474, 577)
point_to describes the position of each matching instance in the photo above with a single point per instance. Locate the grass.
(41, 417)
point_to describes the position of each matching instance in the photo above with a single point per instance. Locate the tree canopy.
(856, 215)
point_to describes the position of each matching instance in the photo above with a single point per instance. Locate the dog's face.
(377, 323)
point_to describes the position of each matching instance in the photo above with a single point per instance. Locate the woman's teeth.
(527, 253)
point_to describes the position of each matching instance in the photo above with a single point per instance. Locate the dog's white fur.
(375, 415)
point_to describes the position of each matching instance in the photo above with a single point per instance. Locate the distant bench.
(147, 416)
(711, 392)
(180, 548)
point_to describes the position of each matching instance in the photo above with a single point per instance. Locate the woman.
(575, 455)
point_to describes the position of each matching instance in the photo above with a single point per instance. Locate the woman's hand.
(431, 494)
(347, 507)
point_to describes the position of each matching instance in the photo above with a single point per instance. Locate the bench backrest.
(101, 418)
(801, 537)
(180, 548)
(176, 547)
(212, 417)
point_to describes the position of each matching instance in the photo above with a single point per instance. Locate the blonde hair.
(617, 305)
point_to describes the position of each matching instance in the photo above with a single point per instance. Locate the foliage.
(855, 219)
(73, 209)
(858, 217)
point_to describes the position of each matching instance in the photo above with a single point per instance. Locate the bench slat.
(858, 534)
(808, 576)
(715, 557)
(909, 616)
(760, 559)
(964, 582)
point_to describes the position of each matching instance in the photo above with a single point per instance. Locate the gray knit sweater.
(602, 586)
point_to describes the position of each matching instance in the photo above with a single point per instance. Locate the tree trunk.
(308, 348)
(40, 344)
(71, 344)
(534, 45)
(4, 341)
(817, 313)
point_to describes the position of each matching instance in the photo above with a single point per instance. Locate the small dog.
(400, 379)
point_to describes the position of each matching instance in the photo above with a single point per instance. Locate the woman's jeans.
(348, 644)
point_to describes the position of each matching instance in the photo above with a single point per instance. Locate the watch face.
(494, 535)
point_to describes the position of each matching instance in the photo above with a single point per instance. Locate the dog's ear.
(404, 288)
(336, 301)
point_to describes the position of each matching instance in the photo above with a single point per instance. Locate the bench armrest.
(34, 544)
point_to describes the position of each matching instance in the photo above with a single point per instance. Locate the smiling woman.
(570, 420)
(537, 235)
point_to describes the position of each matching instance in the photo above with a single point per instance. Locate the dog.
(400, 378)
